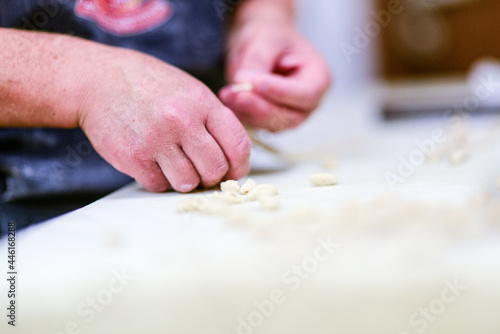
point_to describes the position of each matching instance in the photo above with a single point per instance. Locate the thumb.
(257, 58)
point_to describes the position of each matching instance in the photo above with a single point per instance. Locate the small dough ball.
(248, 186)
(192, 203)
(270, 203)
(230, 186)
(229, 198)
(330, 163)
(323, 179)
(457, 156)
(262, 190)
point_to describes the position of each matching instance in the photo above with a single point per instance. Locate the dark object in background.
(431, 37)
(414, 107)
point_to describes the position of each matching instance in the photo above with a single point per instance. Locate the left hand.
(287, 74)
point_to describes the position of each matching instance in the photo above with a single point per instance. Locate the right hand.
(161, 126)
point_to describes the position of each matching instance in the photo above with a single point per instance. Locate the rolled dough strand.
(262, 190)
(248, 186)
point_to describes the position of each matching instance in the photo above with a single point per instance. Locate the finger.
(257, 57)
(178, 169)
(229, 133)
(206, 156)
(150, 176)
(256, 111)
(298, 82)
(293, 91)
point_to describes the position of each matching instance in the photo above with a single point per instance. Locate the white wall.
(328, 24)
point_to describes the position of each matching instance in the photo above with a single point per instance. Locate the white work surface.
(397, 255)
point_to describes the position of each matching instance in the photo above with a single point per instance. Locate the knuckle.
(136, 152)
(240, 162)
(217, 171)
(271, 90)
(204, 94)
(154, 182)
(279, 120)
(174, 118)
(243, 147)
(180, 125)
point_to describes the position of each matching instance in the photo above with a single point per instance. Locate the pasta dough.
(231, 194)
(242, 87)
(323, 179)
(262, 190)
(230, 186)
(229, 198)
(192, 203)
(248, 186)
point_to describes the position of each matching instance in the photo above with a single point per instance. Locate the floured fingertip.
(242, 87)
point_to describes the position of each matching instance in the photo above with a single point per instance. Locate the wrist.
(251, 11)
(102, 73)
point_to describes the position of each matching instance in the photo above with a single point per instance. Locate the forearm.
(44, 78)
(281, 10)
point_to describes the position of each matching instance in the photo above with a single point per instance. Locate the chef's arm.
(147, 118)
(44, 78)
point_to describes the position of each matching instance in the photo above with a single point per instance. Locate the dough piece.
(230, 186)
(262, 190)
(269, 203)
(215, 208)
(228, 198)
(323, 179)
(192, 203)
(248, 186)
(330, 163)
(242, 87)
(457, 156)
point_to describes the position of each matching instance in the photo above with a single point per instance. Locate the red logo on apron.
(125, 17)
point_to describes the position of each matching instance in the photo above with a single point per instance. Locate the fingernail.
(242, 87)
(187, 187)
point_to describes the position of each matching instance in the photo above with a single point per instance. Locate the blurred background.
(367, 39)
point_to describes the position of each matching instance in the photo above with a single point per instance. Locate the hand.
(287, 74)
(161, 126)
